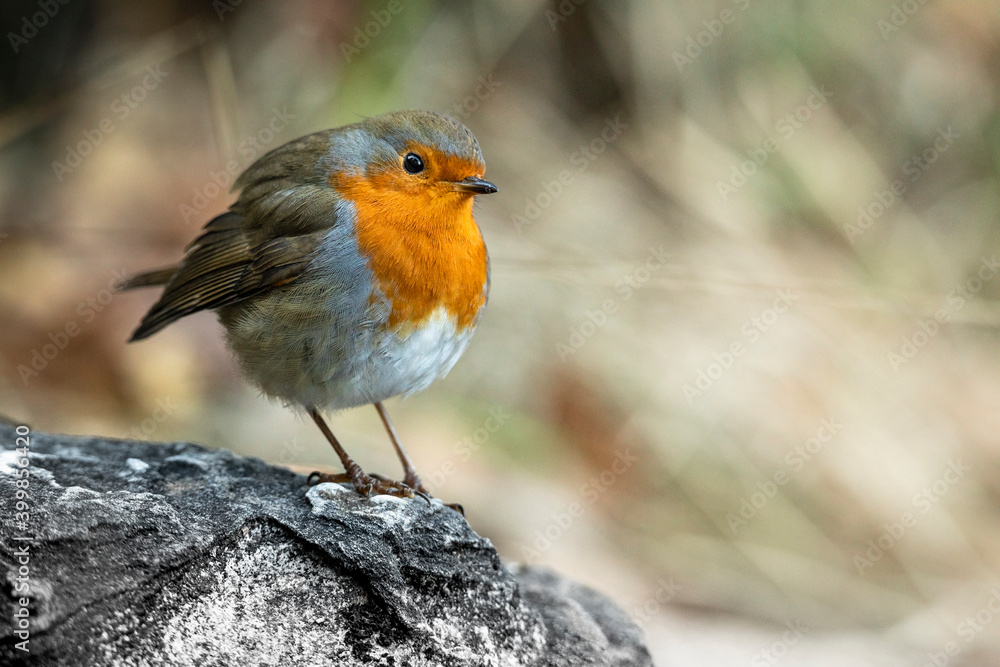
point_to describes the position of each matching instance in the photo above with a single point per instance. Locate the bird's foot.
(373, 484)
(367, 485)
(412, 480)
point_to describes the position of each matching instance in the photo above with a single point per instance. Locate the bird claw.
(373, 484)
(387, 487)
(367, 485)
(413, 481)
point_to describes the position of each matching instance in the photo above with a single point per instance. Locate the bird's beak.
(475, 186)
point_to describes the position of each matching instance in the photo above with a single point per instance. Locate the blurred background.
(739, 369)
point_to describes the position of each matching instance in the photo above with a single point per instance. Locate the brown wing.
(148, 279)
(222, 267)
(267, 238)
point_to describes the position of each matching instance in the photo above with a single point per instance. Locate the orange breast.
(424, 247)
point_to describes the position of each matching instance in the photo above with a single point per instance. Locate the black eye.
(413, 163)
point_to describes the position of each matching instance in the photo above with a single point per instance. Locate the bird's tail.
(148, 279)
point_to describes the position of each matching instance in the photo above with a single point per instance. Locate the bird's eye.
(413, 163)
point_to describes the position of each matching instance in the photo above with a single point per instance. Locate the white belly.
(410, 363)
(306, 357)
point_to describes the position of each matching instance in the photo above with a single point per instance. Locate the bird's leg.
(364, 483)
(410, 476)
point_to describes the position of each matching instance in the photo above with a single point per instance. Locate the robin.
(349, 270)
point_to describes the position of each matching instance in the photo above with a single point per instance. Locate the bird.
(349, 270)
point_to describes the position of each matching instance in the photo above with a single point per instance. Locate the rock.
(174, 554)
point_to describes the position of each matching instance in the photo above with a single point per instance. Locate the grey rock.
(174, 554)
